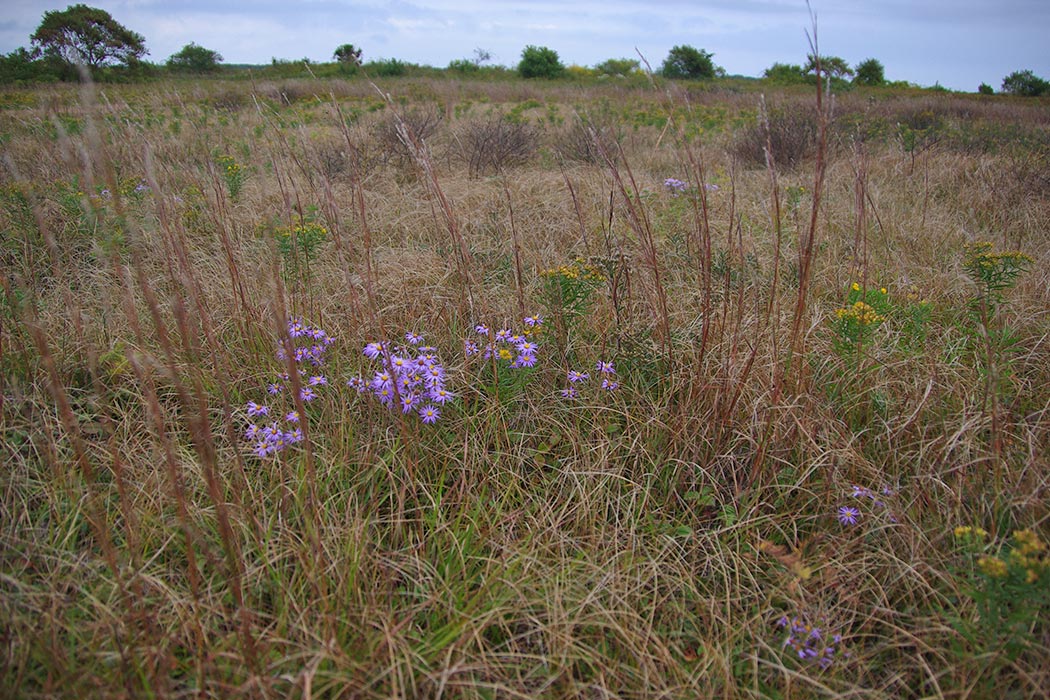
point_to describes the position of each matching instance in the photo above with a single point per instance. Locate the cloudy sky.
(957, 43)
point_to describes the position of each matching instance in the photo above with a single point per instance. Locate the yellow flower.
(992, 566)
(856, 287)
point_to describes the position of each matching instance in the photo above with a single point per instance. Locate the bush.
(195, 59)
(590, 141)
(540, 62)
(420, 122)
(463, 65)
(985, 89)
(620, 67)
(688, 63)
(490, 145)
(785, 74)
(389, 68)
(870, 72)
(792, 136)
(1025, 83)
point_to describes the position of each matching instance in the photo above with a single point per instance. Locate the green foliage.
(855, 322)
(298, 246)
(785, 74)
(89, 36)
(195, 59)
(540, 62)
(22, 66)
(869, 72)
(688, 63)
(232, 173)
(1010, 588)
(832, 66)
(387, 68)
(1025, 83)
(463, 65)
(985, 89)
(348, 55)
(618, 67)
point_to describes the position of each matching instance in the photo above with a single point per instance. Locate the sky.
(956, 43)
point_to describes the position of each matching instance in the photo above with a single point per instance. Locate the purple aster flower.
(356, 383)
(710, 187)
(533, 321)
(440, 395)
(255, 409)
(252, 432)
(292, 417)
(293, 437)
(503, 335)
(429, 414)
(470, 348)
(848, 515)
(408, 402)
(413, 339)
(675, 186)
(295, 328)
(524, 360)
(262, 449)
(575, 376)
(610, 385)
(274, 389)
(307, 394)
(481, 329)
(569, 393)
(373, 350)
(317, 380)
(605, 367)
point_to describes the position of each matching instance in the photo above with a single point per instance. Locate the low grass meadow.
(446, 387)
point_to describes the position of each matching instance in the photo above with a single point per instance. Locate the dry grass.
(636, 543)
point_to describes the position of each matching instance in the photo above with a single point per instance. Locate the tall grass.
(662, 538)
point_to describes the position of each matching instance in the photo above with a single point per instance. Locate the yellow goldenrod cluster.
(860, 312)
(309, 231)
(992, 567)
(967, 532)
(577, 270)
(1029, 553)
(981, 255)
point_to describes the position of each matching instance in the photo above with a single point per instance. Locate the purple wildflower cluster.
(576, 379)
(675, 186)
(410, 378)
(517, 348)
(308, 346)
(811, 643)
(850, 515)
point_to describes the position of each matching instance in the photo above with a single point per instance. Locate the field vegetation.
(484, 388)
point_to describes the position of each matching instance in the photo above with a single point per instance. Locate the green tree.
(831, 65)
(985, 89)
(1025, 83)
(195, 59)
(869, 72)
(82, 35)
(688, 63)
(348, 55)
(540, 62)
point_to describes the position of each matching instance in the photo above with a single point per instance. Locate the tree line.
(82, 39)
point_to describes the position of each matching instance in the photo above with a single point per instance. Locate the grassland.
(818, 469)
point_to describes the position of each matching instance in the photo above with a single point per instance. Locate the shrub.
(985, 89)
(587, 140)
(388, 68)
(1025, 83)
(792, 135)
(463, 65)
(869, 72)
(421, 123)
(688, 63)
(490, 145)
(195, 59)
(620, 67)
(540, 62)
(785, 74)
